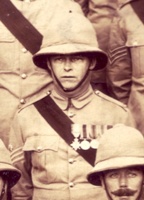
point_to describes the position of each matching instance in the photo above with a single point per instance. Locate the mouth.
(67, 78)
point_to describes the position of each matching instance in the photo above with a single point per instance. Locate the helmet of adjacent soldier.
(7, 171)
(120, 147)
(68, 33)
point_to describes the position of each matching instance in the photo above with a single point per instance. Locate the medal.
(85, 145)
(87, 136)
(94, 144)
(75, 144)
(76, 130)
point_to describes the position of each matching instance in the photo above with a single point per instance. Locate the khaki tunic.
(50, 168)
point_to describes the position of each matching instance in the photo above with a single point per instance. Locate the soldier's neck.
(78, 92)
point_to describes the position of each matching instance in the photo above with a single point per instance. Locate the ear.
(92, 63)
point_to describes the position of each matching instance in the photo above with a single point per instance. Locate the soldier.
(54, 138)
(18, 74)
(126, 50)
(119, 165)
(9, 175)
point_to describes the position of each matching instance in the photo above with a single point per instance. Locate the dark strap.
(138, 7)
(61, 124)
(19, 26)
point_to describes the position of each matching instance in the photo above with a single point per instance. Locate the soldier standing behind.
(54, 139)
(126, 56)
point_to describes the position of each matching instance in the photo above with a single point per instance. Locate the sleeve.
(119, 69)
(23, 190)
(101, 13)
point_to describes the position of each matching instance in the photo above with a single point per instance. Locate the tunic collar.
(64, 103)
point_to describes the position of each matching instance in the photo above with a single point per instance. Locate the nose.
(67, 65)
(123, 180)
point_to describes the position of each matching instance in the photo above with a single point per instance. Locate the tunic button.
(135, 43)
(71, 184)
(22, 101)
(24, 50)
(23, 76)
(97, 92)
(70, 114)
(39, 149)
(71, 161)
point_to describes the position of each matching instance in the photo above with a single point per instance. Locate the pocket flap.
(41, 143)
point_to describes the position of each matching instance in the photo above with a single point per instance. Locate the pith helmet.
(68, 33)
(7, 170)
(120, 147)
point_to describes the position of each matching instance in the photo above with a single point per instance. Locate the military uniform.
(126, 56)
(57, 170)
(20, 79)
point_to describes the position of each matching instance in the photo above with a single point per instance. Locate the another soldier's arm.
(101, 13)
(119, 70)
(23, 190)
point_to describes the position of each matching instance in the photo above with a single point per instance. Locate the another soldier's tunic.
(52, 170)
(126, 55)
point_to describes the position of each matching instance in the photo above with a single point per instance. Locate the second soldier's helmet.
(69, 32)
(7, 171)
(120, 147)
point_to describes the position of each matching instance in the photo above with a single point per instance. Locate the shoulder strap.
(61, 124)
(19, 26)
(138, 8)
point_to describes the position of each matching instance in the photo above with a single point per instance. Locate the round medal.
(85, 145)
(94, 144)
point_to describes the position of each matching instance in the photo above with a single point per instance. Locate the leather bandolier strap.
(60, 122)
(138, 8)
(20, 27)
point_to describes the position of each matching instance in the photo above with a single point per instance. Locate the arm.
(101, 13)
(23, 190)
(119, 69)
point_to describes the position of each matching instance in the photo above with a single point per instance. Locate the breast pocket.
(136, 44)
(5, 35)
(43, 149)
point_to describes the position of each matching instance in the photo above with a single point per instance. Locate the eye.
(58, 58)
(77, 58)
(112, 175)
(132, 173)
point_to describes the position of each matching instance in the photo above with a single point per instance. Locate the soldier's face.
(69, 69)
(124, 184)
